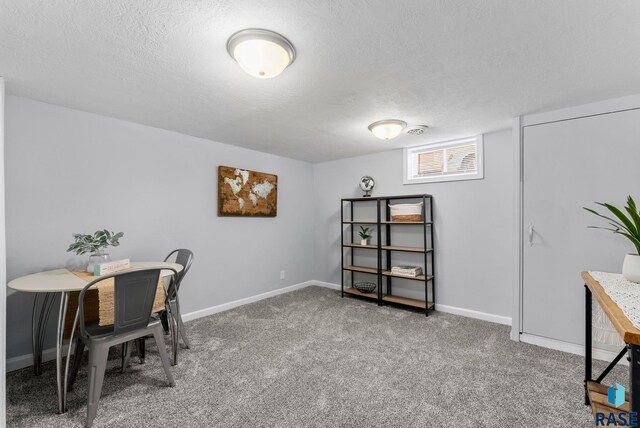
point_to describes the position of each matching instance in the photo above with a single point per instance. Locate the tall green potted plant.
(625, 223)
(95, 245)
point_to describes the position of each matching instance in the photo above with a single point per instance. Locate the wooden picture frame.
(246, 193)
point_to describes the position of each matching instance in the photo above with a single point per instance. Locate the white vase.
(631, 268)
(96, 259)
(363, 242)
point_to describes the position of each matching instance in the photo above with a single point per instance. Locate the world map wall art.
(244, 193)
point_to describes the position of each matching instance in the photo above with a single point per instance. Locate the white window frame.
(408, 166)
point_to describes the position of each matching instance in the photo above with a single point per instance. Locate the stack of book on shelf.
(411, 271)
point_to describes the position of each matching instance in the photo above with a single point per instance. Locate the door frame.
(614, 105)
(518, 162)
(3, 272)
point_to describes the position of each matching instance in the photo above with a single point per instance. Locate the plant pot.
(363, 242)
(631, 268)
(96, 259)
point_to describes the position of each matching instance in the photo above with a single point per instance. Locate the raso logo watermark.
(615, 397)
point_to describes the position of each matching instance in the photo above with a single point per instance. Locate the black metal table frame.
(634, 360)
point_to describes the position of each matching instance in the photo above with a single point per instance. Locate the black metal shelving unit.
(385, 251)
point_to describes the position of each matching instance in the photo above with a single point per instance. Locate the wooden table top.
(64, 280)
(627, 331)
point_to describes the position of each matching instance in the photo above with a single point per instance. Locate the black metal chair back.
(134, 294)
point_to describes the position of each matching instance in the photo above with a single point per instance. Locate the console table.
(595, 391)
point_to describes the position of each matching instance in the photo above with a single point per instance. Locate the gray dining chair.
(184, 258)
(134, 295)
(171, 317)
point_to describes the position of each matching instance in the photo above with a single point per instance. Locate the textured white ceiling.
(460, 66)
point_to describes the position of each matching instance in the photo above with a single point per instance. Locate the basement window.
(447, 161)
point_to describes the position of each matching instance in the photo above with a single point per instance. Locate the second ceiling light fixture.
(387, 129)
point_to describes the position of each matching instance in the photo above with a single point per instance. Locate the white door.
(568, 165)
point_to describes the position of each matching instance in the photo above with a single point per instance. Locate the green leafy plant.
(627, 225)
(95, 243)
(364, 232)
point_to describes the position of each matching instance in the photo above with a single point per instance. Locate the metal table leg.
(587, 342)
(64, 300)
(65, 386)
(634, 374)
(39, 321)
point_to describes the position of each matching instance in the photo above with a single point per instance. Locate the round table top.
(59, 280)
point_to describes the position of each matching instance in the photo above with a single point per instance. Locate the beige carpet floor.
(311, 359)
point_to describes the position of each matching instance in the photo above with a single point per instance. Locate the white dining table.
(46, 286)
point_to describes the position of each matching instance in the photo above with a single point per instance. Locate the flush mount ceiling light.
(387, 129)
(261, 53)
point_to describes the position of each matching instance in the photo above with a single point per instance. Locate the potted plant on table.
(364, 234)
(627, 225)
(95, 245)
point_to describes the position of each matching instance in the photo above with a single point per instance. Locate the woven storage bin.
(406, 212)
(365, 287)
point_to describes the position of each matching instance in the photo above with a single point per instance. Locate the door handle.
(531, 232)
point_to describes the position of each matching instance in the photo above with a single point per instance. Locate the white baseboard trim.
(443, 308)
(469, 313)
(325, 284)
(571, 348)
(22, 361)
(26, 360)
(234, 304)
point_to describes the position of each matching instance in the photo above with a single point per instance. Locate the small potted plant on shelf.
(95, 245)
(627, 225)
(364, 234)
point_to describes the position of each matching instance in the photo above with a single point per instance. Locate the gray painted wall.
(473, 231)
(69, 171)
(160, 188)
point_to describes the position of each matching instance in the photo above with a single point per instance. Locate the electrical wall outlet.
(281, 274)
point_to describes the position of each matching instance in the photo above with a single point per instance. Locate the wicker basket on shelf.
(365, 287)
(406, 212)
